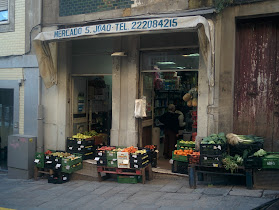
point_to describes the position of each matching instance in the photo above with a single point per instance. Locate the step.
(88, 172)
(164, 173)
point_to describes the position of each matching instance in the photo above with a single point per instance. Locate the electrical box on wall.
(21, 155)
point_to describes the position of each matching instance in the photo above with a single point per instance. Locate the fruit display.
(81, 136)
(186, 142)
(191, 97)
(183, 152)
(106, 148)
(151, 147)
(131, 149)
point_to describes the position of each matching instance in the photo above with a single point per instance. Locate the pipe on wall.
(40, 138)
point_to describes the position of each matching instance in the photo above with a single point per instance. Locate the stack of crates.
(212, 154)
(112, 158)
(123, 160)
(101, 158)
(70, 166)
(270, 160)
(85, 147)
(139, 160)
(40, 159)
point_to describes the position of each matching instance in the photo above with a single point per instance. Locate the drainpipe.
(40, 138)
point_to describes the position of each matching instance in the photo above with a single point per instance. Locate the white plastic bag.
(140, 107)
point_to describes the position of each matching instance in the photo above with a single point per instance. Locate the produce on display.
(232, 163)
(260, 153)
(106, 148)
(219, 138)
(131, 149)
(191, 97)
(183, 152)
(234, 139)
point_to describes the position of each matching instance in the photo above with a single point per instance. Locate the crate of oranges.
(181, 155)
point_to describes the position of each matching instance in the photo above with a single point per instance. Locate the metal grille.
(3, 5)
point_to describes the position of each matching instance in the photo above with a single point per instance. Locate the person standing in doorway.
(171, 127)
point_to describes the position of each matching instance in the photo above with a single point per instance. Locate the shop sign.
(120, 27)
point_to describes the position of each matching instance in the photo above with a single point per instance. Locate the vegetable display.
(234, 139)
(219, 138)
(260, 153)
(232, 163)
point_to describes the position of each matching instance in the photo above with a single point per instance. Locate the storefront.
(105, 68)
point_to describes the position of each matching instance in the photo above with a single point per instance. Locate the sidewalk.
(160, 193)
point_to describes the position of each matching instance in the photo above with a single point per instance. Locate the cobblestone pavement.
(160, 193)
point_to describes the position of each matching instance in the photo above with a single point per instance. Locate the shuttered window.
(3, 5)
(4, 13)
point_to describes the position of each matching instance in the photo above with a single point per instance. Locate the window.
(4, 13)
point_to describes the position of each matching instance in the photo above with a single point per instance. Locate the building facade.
(90, 39)
(19, 73)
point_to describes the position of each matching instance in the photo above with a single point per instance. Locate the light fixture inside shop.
(119, 54)
(191, 55)
(166, 63)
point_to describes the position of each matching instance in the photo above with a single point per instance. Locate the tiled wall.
(13, 43)
(76, 7)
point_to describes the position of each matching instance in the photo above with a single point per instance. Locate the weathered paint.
(254, 79)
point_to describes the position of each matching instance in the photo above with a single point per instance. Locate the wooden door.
(256, 73)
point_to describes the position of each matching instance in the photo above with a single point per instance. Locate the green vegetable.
(260, 153)
(232, 163)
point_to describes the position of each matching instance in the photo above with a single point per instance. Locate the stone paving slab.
(217, 191)
(246, 192)
(145, 197)
(170, 188)
(180, 196)
(155, 194)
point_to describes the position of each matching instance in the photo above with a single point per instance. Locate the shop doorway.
(6, 123)
(256, 88)
(166, 76)
(92, 105)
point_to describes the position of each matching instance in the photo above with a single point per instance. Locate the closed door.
(256, 87)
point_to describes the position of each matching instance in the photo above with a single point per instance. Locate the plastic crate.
(239, 148)
(71, 169)
(112, 163)
(253, 163)
(211, 160)
(180, 167)
(49, 162)
(111, 155)
(185, 145)
(40, 159)
(139, 165)
(89, 155)
(67, 161)
(271, 160)
(194, 159)
(58, 178)
(129, 179)
(179, 157)
(139, 158)
(213, 149)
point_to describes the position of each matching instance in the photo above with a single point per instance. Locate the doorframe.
(13, 84)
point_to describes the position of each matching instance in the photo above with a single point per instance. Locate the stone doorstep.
(89, 172)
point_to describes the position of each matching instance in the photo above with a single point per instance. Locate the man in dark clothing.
(171, 127)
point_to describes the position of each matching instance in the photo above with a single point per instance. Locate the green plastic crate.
(179, 157)
(68, 162)
(41, 157)
(111, 155)
(112, 163)
(71, 169)
(271, 160)
(185, 145)
(129, 179)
